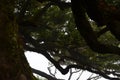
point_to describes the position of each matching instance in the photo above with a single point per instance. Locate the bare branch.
(43, 74)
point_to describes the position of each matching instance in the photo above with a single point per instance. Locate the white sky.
(39, 62)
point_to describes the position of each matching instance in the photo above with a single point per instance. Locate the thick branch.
(87, 32)
(43, 51)
(57, 65)
(114, 27)
(102, 31)
(65, 71)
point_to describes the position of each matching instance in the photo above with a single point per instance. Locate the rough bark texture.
(13, 64)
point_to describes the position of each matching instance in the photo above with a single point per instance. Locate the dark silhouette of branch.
(72, 72)
(57, 65)
(95, 78)
(44, 52)
(66, 70)
(43, 74)
(40, 49)
(102, 31)
(87, 32)
(49, 69)
(80, 74)
(91, 7)
(114, 27)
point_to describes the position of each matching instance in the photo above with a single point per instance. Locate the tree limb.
(87, 32)
(43, 74)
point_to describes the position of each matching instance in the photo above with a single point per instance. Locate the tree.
(14, 65)
(67, 33)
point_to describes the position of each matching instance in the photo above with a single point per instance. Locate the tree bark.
(87, 32)
(13, 64)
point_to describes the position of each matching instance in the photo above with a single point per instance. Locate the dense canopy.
(83, 34)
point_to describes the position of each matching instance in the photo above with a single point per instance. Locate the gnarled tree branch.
(87, 32)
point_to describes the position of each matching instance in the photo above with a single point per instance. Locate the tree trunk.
(13, 64)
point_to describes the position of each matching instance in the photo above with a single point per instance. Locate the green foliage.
(57, 33)
(114, 2)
